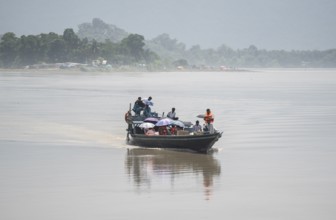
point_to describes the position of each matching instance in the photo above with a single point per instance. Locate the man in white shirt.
(197, 127)
(148, 101)
(147, 110)
(172, 114)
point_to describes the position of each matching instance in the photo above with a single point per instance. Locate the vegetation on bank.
(53, 48)
(99, 41)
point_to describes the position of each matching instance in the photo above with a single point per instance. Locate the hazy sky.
(267, 24)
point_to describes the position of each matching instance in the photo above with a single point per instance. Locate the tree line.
(161, 53)
(172, 51)
(16, 52)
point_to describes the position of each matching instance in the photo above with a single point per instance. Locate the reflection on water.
(144, 165)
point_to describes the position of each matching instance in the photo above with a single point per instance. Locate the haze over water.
(63, 153)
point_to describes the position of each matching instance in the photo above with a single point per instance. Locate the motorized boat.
(184, 139)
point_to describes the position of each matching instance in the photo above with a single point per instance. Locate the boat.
(185, 139)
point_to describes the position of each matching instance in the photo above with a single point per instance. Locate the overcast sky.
(267, 24)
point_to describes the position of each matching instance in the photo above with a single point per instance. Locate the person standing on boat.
(209, 119)
(197, 127)
(172, 114)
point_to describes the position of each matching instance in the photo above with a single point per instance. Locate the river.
(63, 153)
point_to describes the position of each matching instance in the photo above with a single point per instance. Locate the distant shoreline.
(79, 71)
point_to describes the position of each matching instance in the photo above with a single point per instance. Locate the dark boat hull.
(199, 143)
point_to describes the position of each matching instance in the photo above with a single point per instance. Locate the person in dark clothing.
(138, 106)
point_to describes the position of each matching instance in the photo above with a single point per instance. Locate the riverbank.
(88, 68)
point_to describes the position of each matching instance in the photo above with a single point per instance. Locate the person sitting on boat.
(147, 112)
(150, 132)
(172, 114)
(197, 127)
(209, 119)
(173, 130)
(138, 106)
(163, 130)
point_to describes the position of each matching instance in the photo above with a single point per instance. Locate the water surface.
(63, 153)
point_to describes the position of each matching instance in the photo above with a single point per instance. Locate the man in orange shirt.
(209, 119)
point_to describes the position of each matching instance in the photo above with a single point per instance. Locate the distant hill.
(100, 31)
(167, 48)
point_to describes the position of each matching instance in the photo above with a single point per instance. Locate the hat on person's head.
(197, 122)
(150, 97)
